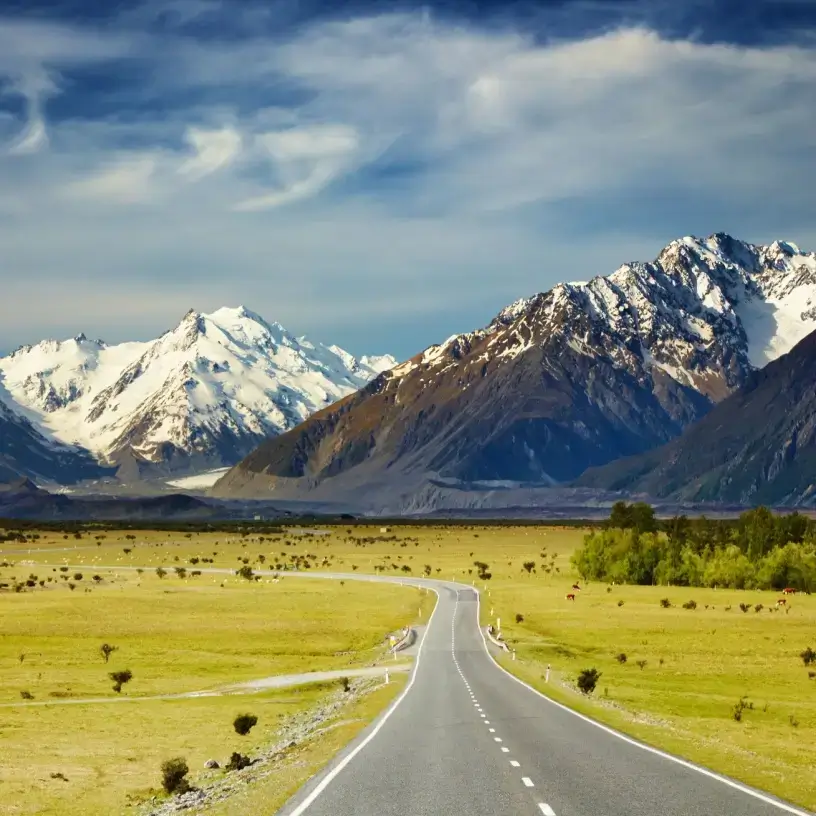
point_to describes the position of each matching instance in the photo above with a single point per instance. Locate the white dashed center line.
(514, 763)
(505, 750)
(546, 809)
(497, 739)
(528, 783)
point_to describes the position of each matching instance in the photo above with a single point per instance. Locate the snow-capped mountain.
(577, 376)
(201, 395)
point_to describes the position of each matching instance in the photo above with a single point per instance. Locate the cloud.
(212, 150)
(306, 159)
(399, 171)
(127, 180)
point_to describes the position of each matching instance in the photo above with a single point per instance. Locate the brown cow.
(789, 591)
(782, 602)
(570, 597)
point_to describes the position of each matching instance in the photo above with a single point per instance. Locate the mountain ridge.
(566, 379)
(202, 394)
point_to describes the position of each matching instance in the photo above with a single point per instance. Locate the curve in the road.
(445, 744)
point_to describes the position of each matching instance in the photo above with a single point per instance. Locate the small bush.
(621, 658)
(519, 618)
(77, 576)
(238, 761)
(345, 683)
(690, 605)
(620, 603)
(808, 656)
(758, 608)
(173, 773)
(740, 706)
(244, 723)
(665, 603)
(161, 572)
(120, 678)
(793, 721)
(744, 607)
(641, 664)
(811, 675)
(26, 695)
(588, 679)
(107, 650)
(245, 572)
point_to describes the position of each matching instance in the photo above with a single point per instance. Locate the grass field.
(175, 635)
(699, 663)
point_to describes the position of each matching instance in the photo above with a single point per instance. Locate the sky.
(382, 175)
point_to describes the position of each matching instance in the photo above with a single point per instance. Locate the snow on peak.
(218, 381)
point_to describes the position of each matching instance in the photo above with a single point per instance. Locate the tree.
(245, 572)
(107, 650)
(120, 678)
(529, 566)
(161, 572)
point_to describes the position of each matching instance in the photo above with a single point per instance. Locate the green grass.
(711, 657)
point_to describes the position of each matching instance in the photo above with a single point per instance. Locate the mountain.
(200, 396)
(570, 378)
(25, 451)
(758, 446)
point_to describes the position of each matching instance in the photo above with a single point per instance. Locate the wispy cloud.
(348, 161)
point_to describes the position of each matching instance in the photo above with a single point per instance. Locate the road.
(466, 737)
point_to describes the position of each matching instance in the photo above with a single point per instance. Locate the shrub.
(793, 721)
(181, 572)
(808, 656)
(665, 603)
(238, 761)
(641, 664)
(345, 683)
(245, 572)
(77, 576)
(519, 618)
(107, 650)
(588, 679)
(811, 675)
(173, 773)
(758, 608)
(620, 603)
(26, 695)
(120, 678)
(97, 578)
(740, 706)
(621, 658)
(744, 607)
(690, 605)
(244, 723)
(161, 572)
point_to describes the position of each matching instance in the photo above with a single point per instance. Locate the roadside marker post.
(386, 677)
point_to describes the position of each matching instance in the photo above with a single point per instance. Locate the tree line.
(758, 550)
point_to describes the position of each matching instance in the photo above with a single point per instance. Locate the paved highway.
(467, 738)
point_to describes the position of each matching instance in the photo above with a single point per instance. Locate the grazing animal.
(789, 591)
(570, 597)
(782, 602)
(575, 586)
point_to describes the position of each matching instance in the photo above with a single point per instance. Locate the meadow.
(714, 684)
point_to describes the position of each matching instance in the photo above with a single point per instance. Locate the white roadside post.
(386, 677)
(547, 678)
(514, 654)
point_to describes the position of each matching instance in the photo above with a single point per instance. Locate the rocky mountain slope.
(756, 447)
(26, 451)
(202, 395)
(574, 377)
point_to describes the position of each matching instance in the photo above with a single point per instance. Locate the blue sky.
(378, 174)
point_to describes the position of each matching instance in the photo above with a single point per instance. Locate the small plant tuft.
(641, 664)
(665, 603)
(238, 762)
(120, 678)
(808, 656)
(690, 605)
(621, 658)
(107, 650)
(519, 618)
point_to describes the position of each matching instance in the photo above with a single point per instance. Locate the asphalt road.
(467, 738)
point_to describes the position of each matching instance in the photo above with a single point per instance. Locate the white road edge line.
(656, 751)
(324, 783)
